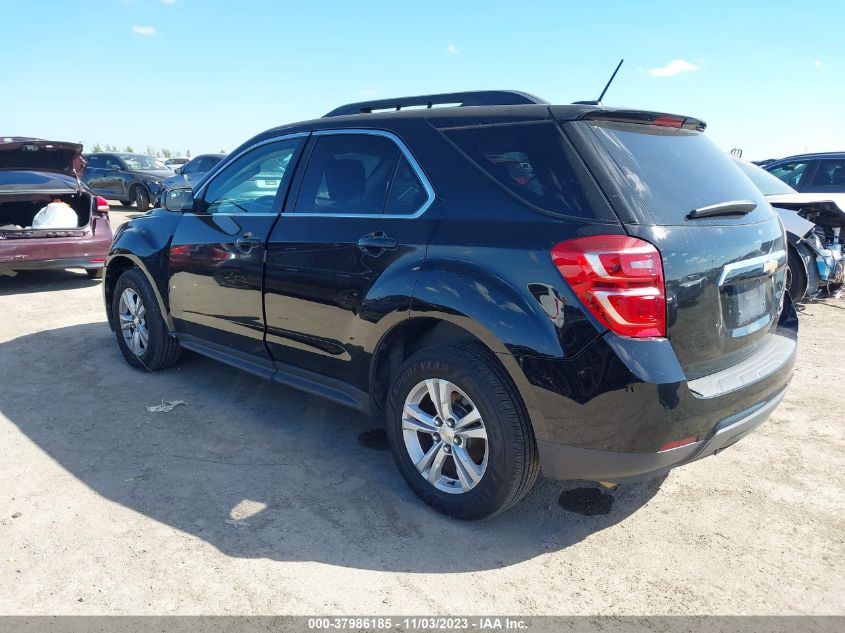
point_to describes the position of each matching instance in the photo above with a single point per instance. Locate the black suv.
(129, 178)
(509, 285)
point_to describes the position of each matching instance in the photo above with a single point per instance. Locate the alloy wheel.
(133, 322)
(445, 436)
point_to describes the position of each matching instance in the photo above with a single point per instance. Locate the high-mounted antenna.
(597, 102)
(609, 81)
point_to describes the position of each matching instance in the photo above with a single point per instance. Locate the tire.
(141, 197)
(95, 273)
(127, 203)
(161, 350)
(796, 277)
(510, 464)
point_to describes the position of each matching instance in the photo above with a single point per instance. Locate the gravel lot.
(256, 499)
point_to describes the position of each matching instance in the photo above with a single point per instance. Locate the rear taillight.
(619, 279)
(102, 205)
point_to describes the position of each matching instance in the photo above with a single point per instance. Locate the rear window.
(675, 171)
(533, 162)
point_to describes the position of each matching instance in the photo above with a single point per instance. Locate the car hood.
(177, 180)
(154, 173)
(826, 209)
(834, 199)
(32, 153)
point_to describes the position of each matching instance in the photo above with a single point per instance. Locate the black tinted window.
(830, 175)
(207, 162)
(95, 161)
(407, 194)
(348, 173)
(531, 161)
(675, 171)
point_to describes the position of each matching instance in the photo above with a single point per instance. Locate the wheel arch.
(115, 267)
(406, 338)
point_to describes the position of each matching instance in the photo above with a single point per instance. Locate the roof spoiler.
(460, 99)
(644, 117)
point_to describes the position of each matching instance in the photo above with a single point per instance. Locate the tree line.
(150, 151)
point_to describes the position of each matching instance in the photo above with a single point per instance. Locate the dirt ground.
(256, 499)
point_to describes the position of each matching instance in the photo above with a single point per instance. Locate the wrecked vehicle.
(815, 227)
(507, 285)
(48, 217)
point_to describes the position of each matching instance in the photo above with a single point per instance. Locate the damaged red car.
(48, 217)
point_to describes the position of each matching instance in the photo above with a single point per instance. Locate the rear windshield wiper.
(732, 207)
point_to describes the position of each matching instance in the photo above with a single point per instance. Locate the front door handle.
(377, 241)
(247, 241)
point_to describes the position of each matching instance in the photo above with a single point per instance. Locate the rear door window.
(829, 176)
(348, 174)
(675, 171)
(533, 162)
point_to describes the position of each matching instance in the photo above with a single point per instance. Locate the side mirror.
(178, 170)
(178, 200)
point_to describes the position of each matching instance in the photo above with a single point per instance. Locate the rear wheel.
(142, 198)
(139, 326)
(459, 433)
(796, 277)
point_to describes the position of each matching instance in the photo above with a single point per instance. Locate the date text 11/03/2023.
(482, 623)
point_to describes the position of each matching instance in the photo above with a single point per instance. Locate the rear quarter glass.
(673, 171)
(535, 164)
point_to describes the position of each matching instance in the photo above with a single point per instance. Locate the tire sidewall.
(143, 203)
(493, 489)
(135, 280)
(799, 280)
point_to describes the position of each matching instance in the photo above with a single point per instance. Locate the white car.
(173, 163)
(815, 227)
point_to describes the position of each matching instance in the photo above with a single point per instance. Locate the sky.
(204, 75)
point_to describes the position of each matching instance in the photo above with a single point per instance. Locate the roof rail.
(476, 98)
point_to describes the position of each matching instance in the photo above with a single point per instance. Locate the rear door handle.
(377, 241)
(247, 241)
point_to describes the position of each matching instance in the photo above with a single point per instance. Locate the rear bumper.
(606, 413)
(567, 462)
(58, 252)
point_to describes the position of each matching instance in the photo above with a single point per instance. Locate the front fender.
(144, 242)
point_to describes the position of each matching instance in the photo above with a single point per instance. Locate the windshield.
(765, 182)
(137, 162)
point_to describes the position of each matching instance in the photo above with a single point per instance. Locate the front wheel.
(142, 334)
(796, 277)
(459, 432)
(142, 199)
